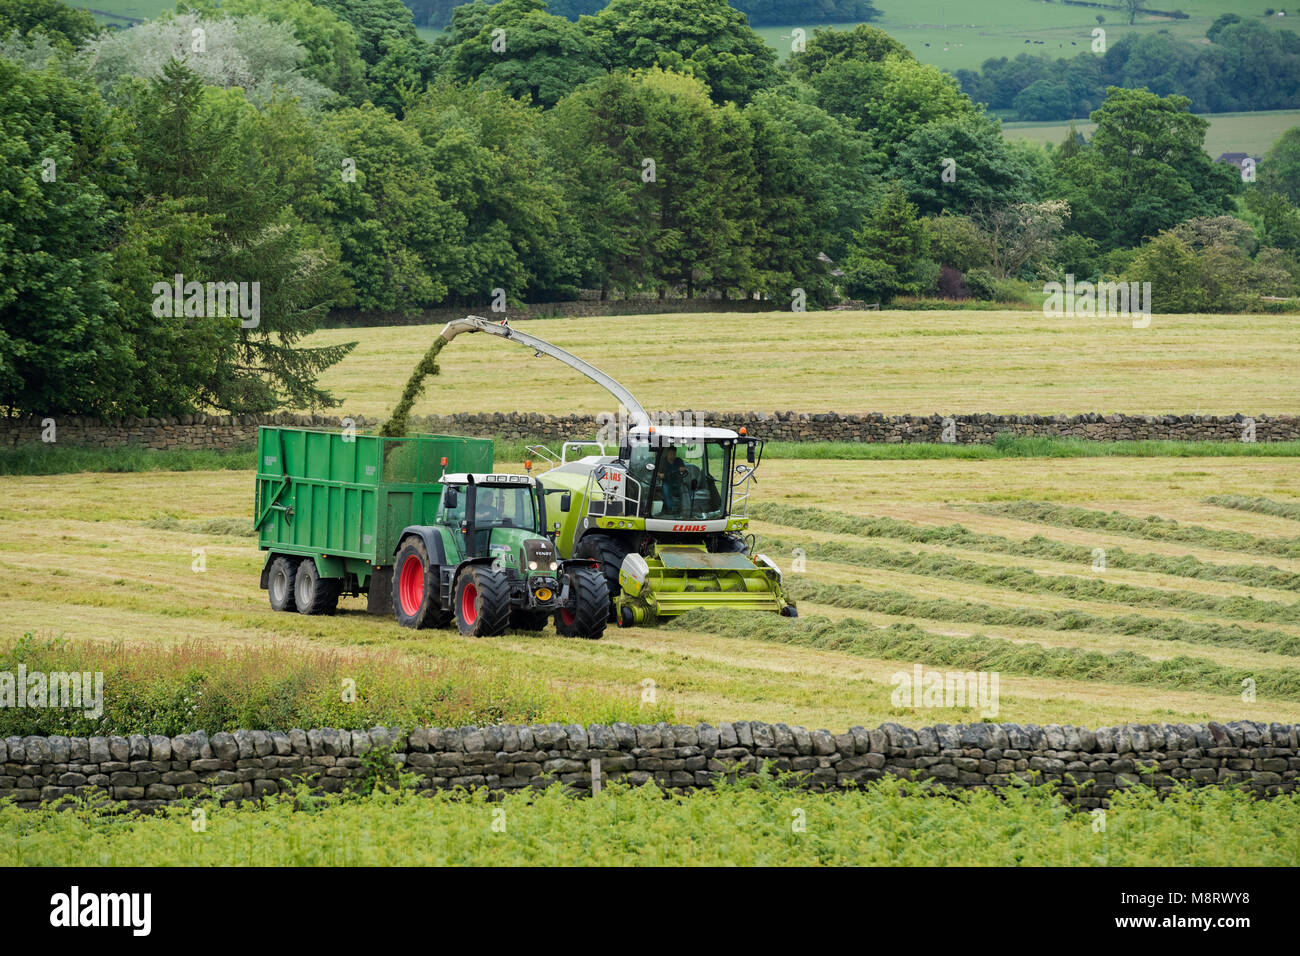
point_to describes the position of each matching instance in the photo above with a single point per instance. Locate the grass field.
(1228, 133)
(98, 557)
(889, 361)
(962, 34)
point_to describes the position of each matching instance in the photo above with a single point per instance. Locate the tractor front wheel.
(588, 612)
(415, 588)
(482, 602)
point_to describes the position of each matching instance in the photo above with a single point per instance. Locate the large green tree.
(61, 349)
(662, 180)
(1144, 170)
(517, 45)
(705, 38)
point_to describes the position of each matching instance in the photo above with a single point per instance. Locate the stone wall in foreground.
(148, 772)
(224, 433)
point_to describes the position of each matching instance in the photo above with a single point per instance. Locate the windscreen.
(691, 480)
(504, 507)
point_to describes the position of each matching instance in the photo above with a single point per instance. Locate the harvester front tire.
(610, 552)
(313, 594)
(588, 616)
(482, 602)
(415, 588)
(279, 583)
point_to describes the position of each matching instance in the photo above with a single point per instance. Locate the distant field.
(888, 361)
(962, 34)
(1228, 133)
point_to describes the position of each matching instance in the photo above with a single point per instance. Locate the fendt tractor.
(338, 512)
(664, 518)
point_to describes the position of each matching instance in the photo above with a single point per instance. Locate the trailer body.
(343, 499)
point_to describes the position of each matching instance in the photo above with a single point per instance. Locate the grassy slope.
(890, 361)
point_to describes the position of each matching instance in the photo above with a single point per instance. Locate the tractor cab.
(502, 517)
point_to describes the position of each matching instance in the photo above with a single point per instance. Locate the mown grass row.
(899, 604)
(152, 690)
(1026, 580)
(1257, 504)
(55, 459)
(957, 536)
(217, 527)
(1152, 528)
(907, 642)
(888, 823)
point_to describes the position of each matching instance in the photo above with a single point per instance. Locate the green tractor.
(487, 563)
(665, 517)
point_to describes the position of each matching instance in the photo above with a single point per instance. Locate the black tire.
(528, 620)
(482, 603)
(586, 618)
(609, 552)
(418, 605)
(313, 594)
(279, 583)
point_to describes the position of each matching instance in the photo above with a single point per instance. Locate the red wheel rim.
(410, 586)
(468, 612)
(567, 616)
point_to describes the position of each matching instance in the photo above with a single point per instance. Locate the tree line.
(1244, 66)
(325, 152)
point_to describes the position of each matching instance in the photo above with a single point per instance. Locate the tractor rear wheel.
(313, 594)
(279, 583)
(610, 552)
(415, 588)
(587, 616)
(482, 602)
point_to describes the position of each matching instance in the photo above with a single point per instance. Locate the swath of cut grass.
(1151, 527)
(34, 459)
(900, 604)
(907, 642)
(956, 536)
(1259, 505)
(1027, 580)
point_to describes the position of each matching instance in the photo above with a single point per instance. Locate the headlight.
(554, 566)
(532, 565)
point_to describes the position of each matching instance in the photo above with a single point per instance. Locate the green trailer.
(421, 526)
(343, 500)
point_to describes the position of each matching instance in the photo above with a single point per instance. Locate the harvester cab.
(664, 518)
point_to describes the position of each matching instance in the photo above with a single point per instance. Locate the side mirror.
(625, 452)
(566, 500)
(450, 498)
(749, 452)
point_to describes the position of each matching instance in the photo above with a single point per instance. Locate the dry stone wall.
(1088, 765)
(225, 433)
